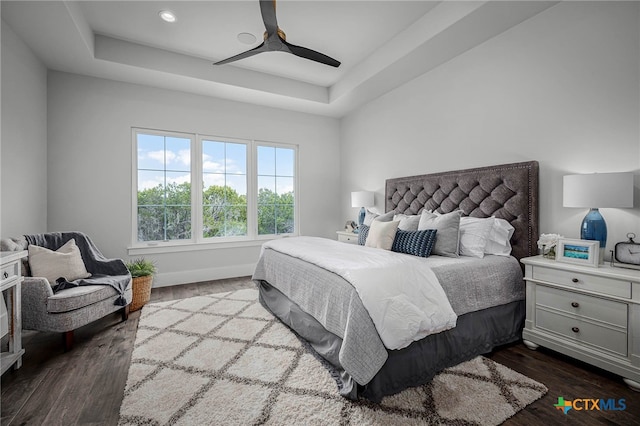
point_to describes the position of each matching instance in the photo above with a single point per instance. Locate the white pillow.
(65, 262)
(474, 235)
(499, 241)
(382, 234)
(407, 222)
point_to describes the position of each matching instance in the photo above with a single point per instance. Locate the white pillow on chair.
(65, 262)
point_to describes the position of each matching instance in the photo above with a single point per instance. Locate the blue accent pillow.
(362, 234)
(417, 243)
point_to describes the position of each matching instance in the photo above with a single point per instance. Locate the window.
(164, 187)
(275, 190)
(224, 196)
(200, 189)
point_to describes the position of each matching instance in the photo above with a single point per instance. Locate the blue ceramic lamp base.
(361, 216)
(594, 228)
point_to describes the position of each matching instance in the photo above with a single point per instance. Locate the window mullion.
(252, 192)
(197, 178)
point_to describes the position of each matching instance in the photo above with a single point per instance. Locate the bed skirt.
(476, 333)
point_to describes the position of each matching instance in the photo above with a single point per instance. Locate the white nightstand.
(10, 282)
(347, 237)
(592, 314)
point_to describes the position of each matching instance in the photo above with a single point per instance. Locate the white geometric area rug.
(222, 359)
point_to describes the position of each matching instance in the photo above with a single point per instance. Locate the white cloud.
(147, 184)
(210, 180)
(184, 157)
(179, 179)
(154, 181)
(283, 189)
(219, 180)
(211, 166)
(159, 156)
(233, 167)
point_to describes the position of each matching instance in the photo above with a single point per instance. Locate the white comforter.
(400, 292)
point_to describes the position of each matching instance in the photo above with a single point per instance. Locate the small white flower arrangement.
(547, 243)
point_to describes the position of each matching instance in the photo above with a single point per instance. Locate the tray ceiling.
(381, 44)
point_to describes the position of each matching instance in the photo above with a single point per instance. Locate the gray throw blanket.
(111, 272)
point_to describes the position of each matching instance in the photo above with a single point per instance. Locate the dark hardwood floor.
(85, 386)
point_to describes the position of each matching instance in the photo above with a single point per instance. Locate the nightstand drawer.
(579, 330)
(607, 311)
(582, 281)
(9, 272)
(348, 237)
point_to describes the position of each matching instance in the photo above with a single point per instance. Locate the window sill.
(159, 248)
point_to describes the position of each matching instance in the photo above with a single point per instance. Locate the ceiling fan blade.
(274, 40)
(303, 52)
(268, 10)
(251, 52)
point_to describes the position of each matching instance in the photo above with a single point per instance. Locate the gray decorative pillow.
(13, 244)
(371, 216)
(17, 244)
(448, 226)
(408, 222)
(65, 262)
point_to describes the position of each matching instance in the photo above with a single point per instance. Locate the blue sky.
(275, 165)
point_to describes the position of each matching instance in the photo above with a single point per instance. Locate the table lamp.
(362, 199)
(594, 191)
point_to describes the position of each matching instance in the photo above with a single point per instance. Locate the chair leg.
(67, 339)
(125, 313)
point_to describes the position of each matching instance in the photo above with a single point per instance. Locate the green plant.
(141, 267)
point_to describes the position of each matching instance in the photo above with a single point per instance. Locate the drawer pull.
(5, 275)
(575, 304)
(575, 280)
(575, 329)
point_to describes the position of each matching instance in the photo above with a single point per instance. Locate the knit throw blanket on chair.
(111, 272)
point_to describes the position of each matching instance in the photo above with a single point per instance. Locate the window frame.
(197, 240)
(200, 189)
(296, 202)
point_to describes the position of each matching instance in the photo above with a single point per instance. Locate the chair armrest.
(35, 293)
(36, 290)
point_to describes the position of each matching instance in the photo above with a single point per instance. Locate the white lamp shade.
(598, 190)
(362, 199)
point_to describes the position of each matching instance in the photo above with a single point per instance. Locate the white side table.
(592, 314)
(347, 237)
(10, 283)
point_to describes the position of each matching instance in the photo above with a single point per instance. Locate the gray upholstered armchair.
(74, 303)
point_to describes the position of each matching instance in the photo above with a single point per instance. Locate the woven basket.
(141, 287)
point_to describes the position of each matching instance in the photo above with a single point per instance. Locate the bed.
(487, 294)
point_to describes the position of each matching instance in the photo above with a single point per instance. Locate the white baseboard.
(192, 276)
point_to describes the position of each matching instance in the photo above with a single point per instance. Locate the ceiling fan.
(275, 40)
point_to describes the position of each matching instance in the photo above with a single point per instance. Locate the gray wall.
(23, 150)
(90, 164)
(561, 88)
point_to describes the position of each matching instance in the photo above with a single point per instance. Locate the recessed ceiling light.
(246, 38)
(167, 16)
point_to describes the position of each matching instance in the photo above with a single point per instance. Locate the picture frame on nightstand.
(350, 226)
(579, 252)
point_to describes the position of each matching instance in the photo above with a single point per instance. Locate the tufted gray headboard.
(507, 191)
